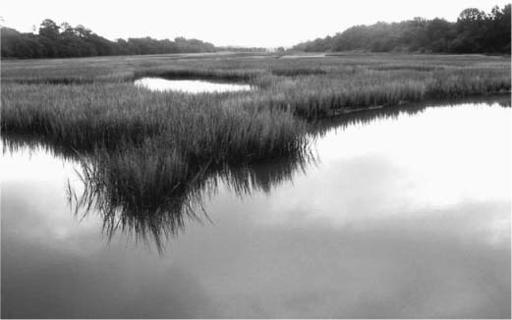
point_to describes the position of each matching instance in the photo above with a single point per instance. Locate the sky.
(259, 23)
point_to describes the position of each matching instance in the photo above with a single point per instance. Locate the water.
(190, 86)
(304, 56)
(404, 214)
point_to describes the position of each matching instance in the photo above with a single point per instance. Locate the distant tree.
(439, 34)
(498, 29)
(470, 15)
(49, 29)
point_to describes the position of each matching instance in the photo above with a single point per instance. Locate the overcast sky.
(266, 23)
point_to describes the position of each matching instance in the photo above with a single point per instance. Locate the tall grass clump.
(200, 127)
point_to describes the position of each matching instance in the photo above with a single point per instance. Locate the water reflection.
(157, 211)
(402, 214)
(190, 86)
(114, 185)
(324, 126)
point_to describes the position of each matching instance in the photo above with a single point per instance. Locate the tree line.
(475, 31)
(64, 41)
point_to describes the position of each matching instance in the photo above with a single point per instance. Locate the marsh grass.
(323, 96)
(148, 157)
(89, 104)
(294, 72)
(96, 116)
(425, 68)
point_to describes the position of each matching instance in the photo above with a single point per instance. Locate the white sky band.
(262, 23)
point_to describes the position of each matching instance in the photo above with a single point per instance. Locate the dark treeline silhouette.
(54, 41)
(474, 32)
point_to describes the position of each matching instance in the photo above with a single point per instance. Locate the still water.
(190, 86)
(403, 214)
